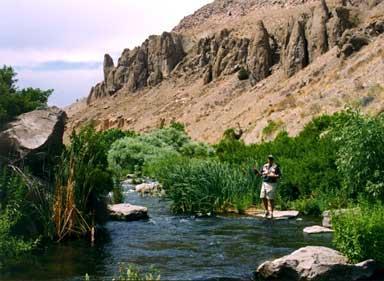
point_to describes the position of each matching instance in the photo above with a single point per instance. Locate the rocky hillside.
(267, 65)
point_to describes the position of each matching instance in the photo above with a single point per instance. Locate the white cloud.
(39, 31)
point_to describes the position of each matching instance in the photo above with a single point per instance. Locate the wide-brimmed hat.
(270, 156)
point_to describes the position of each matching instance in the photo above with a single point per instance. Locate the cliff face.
(306, 37)
(274, 41)
(143, 66)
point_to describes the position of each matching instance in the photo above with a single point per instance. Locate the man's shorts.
(268, 190)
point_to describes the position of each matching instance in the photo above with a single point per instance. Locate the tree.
(13, 101)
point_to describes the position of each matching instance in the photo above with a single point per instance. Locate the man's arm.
(276, 174)
(256, 171)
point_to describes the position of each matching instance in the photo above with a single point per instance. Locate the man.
(270, 173)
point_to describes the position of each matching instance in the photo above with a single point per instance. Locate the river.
(179, 247)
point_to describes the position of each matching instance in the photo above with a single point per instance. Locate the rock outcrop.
(354, 39)
(259, 59)
(315, 264)
(127, 212)
(143, 66)
(33, 135)
(296, 47)
(298, 42)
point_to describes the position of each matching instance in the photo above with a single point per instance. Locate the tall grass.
(83, 182)
(207, 186)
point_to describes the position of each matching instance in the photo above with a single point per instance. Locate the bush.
(360, 158)
(243, 74)
(130, 154)
(17, 214)
(359, 233)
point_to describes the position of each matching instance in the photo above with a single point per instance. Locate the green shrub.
(243, 74)
(17, 215)
(11, 246)
(272, 127)
(360, 157)
(129, 154)
(359, 233)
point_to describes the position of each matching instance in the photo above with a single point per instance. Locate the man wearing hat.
(270, 174)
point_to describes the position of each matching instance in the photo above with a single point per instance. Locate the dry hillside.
(303, 58)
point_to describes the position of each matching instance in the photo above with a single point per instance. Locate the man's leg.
(271, 206)
(265, 201)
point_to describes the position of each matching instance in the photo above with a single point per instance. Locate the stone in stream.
(314, 264)
(127, 212)
(327, 216)
(148, 188)
(277, 215)
(316, 229)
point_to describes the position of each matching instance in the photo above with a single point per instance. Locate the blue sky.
(59, 44)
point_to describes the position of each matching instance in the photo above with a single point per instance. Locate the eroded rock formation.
(304, 38)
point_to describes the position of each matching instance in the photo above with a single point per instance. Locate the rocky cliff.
(273, 41)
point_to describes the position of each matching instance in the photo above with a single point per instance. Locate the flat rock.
(148, 188)
(278, 215)
(317, 229)
(314, 264)
(127, 212)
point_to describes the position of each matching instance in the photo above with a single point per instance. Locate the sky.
(60, 44)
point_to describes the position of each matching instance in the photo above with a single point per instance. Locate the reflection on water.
(179, 247)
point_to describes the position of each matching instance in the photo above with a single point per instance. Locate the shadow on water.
(180, 247)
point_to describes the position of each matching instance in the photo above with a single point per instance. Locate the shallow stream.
(181, 248)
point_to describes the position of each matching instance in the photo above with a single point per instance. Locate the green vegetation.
(128, 272)
(13, 101)
(206, 186)
(359, 233)
(272, 127)
(131, 153)
(83, 182)
(335, 162)
(243, 74)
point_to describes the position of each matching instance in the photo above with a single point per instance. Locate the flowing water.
(179, 247)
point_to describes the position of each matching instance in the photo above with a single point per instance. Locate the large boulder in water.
(127, 212)
(34, 135)
(314, 264)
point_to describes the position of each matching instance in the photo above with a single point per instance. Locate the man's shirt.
(266, 169)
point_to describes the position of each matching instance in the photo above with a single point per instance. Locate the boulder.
(327, 216)
(314, 264)
(317, 229)
(327, 219)
(148, 188)
(127, 212)
(34, 135)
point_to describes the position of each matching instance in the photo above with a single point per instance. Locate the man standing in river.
(270, 174)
